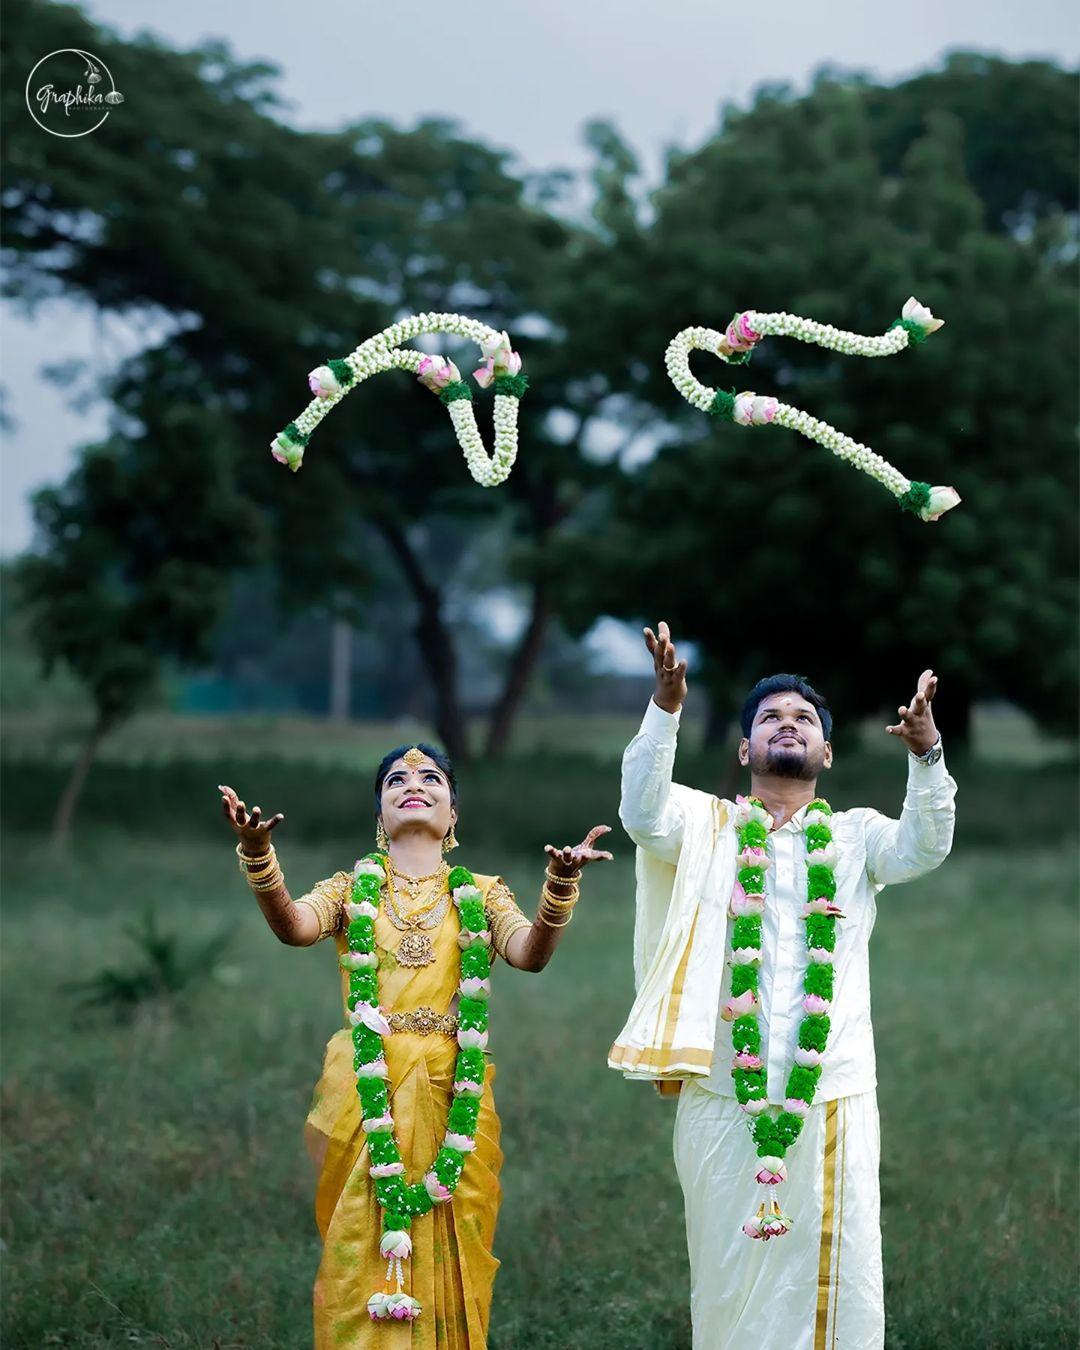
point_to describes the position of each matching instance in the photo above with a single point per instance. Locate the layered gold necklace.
(416, 906)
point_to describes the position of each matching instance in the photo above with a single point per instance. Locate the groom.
(819, 1284)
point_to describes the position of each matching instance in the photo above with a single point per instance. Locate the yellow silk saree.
(452, 1269)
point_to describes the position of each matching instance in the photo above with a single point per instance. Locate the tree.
(766, 554)
(129, 568)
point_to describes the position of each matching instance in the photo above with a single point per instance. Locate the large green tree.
(752, 542)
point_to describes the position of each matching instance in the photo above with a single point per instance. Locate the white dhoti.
(818, 1287)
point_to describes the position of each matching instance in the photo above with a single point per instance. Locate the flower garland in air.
(735, 346)
(774, 1135)
(501, 370)
(400, 1201)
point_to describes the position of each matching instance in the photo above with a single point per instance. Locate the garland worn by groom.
(751, 964)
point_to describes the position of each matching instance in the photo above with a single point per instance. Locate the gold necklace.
(415, 948)
(414, 884)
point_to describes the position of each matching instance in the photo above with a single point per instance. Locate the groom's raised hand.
(916, 726)
(670, 689)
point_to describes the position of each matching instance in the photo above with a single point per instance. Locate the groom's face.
(786, 739)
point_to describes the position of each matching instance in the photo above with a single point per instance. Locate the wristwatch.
(930, 756)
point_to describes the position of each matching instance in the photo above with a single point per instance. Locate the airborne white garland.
(382, 352)
(749, 409)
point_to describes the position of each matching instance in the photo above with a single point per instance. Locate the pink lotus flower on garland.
(740, 337)
(745, 956)
(797, 1106)
(820, 955)
(396, 1243)
(466, 892)
(364, 961)
(374, 1068)
(366, 867)
(471, 1039)
(501, 360)
(465, 1087)
(809, 1059)
(475, 988)
(920, 314)
(754, 409)
(466, 936)
(378, 1123)
(434, 1187)
(775, 1225)
(942, 499)
(371, 1017)
(753, 857)
(754, 1106)
(436, 372)
(393, 1169)
(461, 1142)
(746, 1060)
(771, 1171)
(739, 1007)
(747, 810)
(822, 905)
(403, 1308)
(323, 383)
(360, 909)
(744, 903)
(378, 1306)
(815, 1004)
(822, 857)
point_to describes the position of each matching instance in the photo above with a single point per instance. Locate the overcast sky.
(525, 77)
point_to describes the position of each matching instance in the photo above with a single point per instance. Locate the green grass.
(157, 1192)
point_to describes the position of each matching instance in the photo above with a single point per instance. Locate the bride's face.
(417, 799)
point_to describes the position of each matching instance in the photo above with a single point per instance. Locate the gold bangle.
(263, 872)
(567, 880)
(541, 917)
(254, 863)
(247, 859)
(556, 906)
(271, 883)
(570, 899)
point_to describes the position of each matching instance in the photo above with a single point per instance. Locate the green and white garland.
(735, 346)
(775, 1134)
(501, 370)
(401, 1201)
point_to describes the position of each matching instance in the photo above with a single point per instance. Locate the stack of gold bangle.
(262, 873)
(556, 911)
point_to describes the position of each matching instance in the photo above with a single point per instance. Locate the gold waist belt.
(423, 1021)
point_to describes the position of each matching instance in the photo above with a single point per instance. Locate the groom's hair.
(784, 684)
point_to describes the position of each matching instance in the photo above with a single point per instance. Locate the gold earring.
(451, 841)
(382, 839)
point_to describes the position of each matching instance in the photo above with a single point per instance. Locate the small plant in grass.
(163, 968)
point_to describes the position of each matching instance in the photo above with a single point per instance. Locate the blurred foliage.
(749, 542)
(259, 250)
(165, 968)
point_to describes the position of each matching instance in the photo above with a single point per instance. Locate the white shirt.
(873, 851)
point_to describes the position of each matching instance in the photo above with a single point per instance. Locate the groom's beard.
(797, 762)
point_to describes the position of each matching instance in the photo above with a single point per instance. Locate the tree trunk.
(436, 644)
(69, 799)
(341, 643)
(519, 674)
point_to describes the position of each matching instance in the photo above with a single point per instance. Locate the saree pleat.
(452, 1268)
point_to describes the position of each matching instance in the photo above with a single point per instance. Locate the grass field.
(156, 1188)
